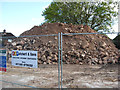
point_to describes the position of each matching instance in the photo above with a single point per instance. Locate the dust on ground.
(74, 76)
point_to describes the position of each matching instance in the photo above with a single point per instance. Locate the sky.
(17, 16)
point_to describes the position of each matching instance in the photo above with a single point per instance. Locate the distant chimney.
(4, 32)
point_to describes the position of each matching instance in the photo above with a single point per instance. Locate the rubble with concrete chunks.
(77, 49)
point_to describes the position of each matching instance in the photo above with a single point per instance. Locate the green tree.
(98, 15)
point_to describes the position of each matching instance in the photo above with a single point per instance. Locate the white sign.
(24, 58)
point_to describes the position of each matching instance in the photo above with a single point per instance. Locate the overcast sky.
(17, 16)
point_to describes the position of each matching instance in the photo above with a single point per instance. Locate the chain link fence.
(46, 75)
(65, 60)
(90, 60)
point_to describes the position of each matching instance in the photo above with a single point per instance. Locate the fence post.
(58, 60)
(61, 61)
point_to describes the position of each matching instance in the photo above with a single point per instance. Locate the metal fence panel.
(46, 75)
(83, 67)
(69, 60)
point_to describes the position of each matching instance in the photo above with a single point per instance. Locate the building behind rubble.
(5, 38)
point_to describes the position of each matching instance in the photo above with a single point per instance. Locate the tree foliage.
(98, 15)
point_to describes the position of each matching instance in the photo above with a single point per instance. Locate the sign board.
(24, 58)
(3, 60)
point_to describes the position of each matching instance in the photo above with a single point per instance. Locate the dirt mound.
(77, 49)
(55, 28)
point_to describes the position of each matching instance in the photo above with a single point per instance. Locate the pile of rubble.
(77, 49)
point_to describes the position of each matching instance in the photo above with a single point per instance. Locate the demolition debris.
(77, 49)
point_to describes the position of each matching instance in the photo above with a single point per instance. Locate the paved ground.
(74, 76)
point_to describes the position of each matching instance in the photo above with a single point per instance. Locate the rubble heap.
(77, 49)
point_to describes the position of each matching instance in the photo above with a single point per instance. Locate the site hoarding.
(3, 60)
(24, 58)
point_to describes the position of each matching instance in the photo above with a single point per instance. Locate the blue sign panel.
(3, 60)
